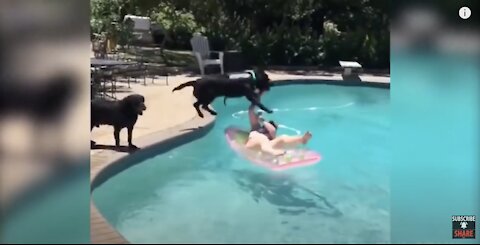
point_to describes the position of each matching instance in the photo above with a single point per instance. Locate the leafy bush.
(125, 32)
(107, 22)
(268, 32)
(178, 24)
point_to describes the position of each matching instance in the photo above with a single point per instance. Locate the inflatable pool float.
(293, 159)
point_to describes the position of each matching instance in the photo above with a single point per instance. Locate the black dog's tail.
(225, 100)
(183, 85)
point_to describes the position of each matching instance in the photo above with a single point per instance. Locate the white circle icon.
(464, 13)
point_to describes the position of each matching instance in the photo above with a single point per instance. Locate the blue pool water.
(203, 192)
(58, 212)
(435, 167)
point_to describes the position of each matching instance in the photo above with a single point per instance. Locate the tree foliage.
(274, 32)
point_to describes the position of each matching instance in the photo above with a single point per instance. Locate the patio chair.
(201, 50)
(99, 48)
(99, 79)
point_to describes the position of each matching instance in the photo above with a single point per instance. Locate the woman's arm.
(254, 120)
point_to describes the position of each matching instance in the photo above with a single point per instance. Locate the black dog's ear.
(261, 75)
(135, 98)
(132, 101)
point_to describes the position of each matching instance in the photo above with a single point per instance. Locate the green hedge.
(272, 32)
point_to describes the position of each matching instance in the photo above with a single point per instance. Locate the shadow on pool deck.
(115, 148)
(190, 129)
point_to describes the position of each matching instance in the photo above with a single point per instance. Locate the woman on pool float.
(264, 136)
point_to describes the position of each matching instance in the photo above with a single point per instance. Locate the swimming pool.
(203, 192)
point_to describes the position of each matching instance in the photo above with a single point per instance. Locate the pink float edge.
(313, 157)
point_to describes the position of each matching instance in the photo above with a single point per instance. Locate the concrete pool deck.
(171, 120)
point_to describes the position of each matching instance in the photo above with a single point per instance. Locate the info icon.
(463, 226)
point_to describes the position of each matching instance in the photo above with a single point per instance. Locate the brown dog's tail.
(183, 85)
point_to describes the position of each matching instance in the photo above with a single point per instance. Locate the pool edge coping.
(101, 231)
(348, 83)
(110, 163)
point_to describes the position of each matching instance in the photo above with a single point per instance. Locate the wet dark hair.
(274, 124)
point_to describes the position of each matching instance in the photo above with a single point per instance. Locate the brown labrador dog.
(119, 114)
(206, 89)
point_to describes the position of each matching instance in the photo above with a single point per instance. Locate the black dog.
(119, 114)
(208, 88)
(44, 103)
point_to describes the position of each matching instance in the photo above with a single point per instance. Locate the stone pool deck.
(168, 115)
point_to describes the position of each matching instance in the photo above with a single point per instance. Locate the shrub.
(178, 24)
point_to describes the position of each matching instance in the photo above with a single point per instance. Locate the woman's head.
(273, 124)
(271, 127)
